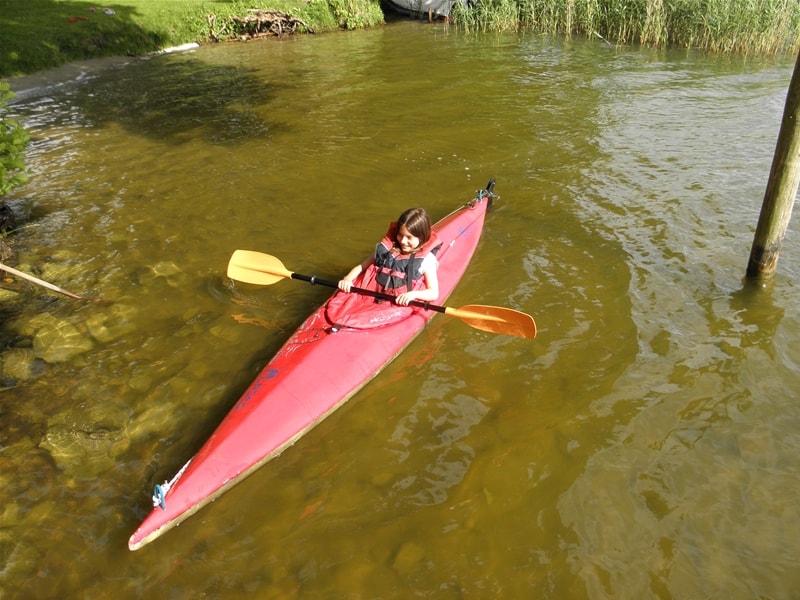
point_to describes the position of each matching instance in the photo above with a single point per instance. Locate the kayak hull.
(317, 370)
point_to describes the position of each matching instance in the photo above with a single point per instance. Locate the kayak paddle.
(258, 268)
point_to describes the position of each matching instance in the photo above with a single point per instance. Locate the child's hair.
(417, 222)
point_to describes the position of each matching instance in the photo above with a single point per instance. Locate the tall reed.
(727, 26)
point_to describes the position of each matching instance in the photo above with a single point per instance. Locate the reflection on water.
(642, 446)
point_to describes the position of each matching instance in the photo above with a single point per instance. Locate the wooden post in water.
(784, 178)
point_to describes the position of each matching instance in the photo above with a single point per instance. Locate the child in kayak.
(404, 262)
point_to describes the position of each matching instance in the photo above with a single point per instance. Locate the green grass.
(726, 26)
(40, 34)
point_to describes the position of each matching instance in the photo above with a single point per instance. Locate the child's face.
(406, 241)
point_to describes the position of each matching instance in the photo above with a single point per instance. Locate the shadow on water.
(187, 100)
(195, 100)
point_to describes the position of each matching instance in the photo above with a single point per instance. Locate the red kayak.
(286, 399)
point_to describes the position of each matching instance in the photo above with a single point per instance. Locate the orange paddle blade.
(496, 319)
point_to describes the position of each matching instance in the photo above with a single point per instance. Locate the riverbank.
(35, 84)
(45, 34)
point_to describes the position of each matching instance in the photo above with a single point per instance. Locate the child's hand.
(345, 285)
(404, 299)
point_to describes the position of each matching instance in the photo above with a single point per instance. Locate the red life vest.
(395, 269)
(357, 311)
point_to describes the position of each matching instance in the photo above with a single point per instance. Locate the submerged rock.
(56, 340)
(113, 323)
(408, 558)
(168, 271)
(86, 441)
(21, 364)
(8, 295)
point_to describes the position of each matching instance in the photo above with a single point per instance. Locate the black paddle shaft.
(317, 281)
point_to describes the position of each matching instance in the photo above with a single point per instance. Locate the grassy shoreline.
(42, 34)
(764, 27)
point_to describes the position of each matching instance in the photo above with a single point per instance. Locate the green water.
(643, 446)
